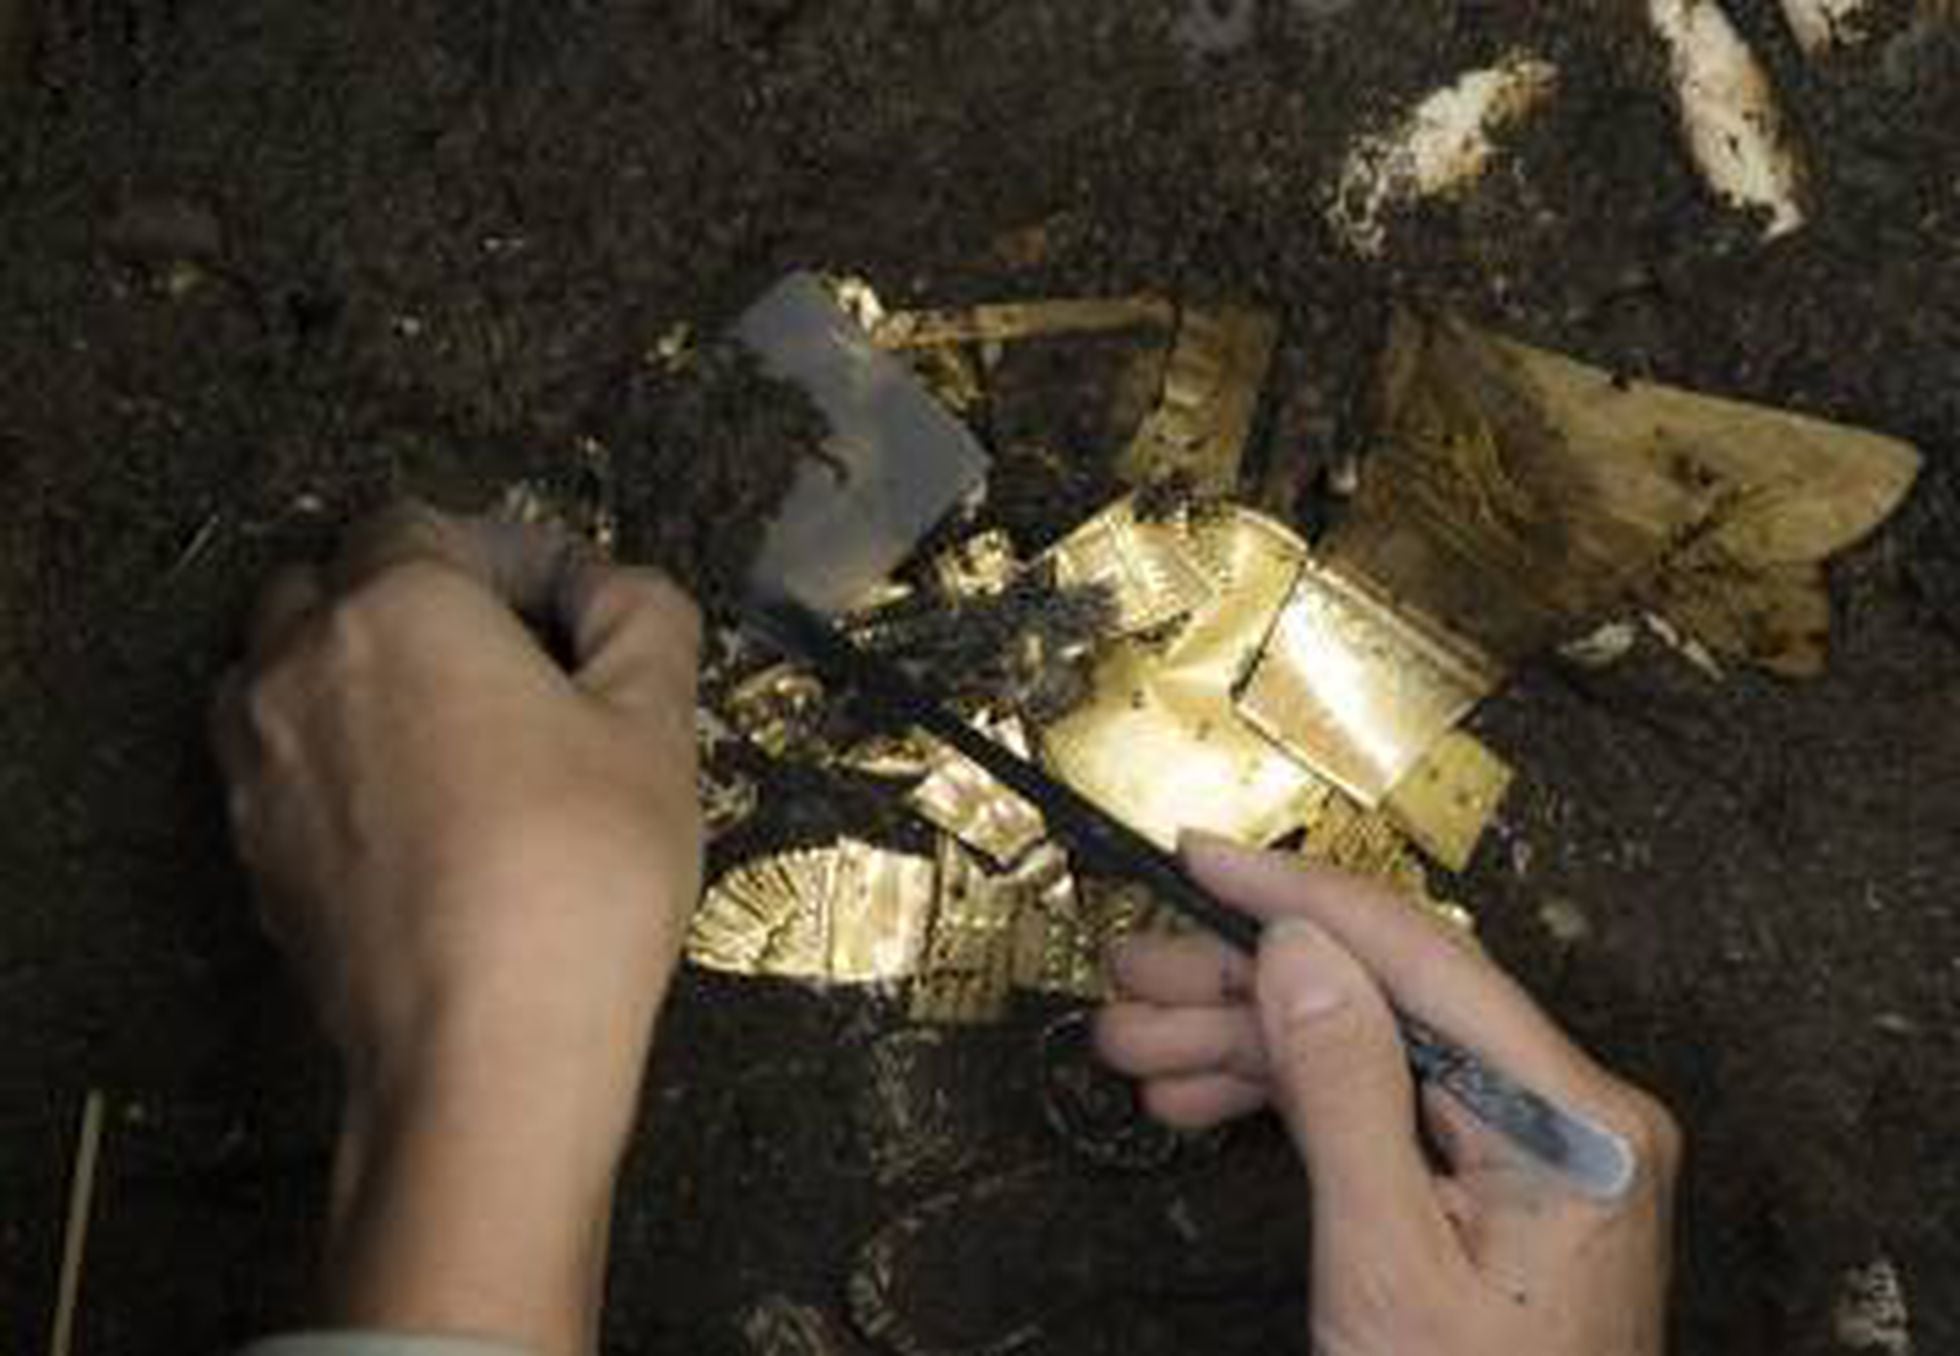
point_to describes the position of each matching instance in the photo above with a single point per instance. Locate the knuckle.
(406, 588)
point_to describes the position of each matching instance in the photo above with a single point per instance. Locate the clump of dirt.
(704, 456)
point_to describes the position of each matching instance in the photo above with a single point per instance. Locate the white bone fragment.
(1443, 146)
(1729, 112)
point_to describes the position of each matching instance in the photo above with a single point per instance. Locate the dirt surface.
(262, 265)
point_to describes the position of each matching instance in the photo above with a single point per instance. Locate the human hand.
(1484, 1255)
(481, 864)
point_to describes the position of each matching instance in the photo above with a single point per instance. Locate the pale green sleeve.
(376, 1344)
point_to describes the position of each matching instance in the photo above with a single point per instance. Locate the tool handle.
(1591, 1158)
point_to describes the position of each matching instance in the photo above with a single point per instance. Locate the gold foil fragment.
(727, 802)
(905, 757)
(779, 710)
(1159, 744)
(1446, 801)
(1365, 842)
(982, 566)
(959, 798)
(1057, 944)
(951, 375)
(857, 298)
(846, 914)
(1355, 691)
(1005, 323)
(1211, 389)
(966, 972)
(1062, 940)
(576, 500)
(1151, 569)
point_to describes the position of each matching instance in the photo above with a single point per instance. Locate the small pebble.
(1896, 1024)
(1871, 1313)
(1564, 920)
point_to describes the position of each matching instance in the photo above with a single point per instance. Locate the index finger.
(528, 566)
(634, 636)
(1425, 972)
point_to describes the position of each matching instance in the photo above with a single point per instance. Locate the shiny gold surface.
(1446, 801)
(980, 566)
(1159, 744)
(1355, 691)
(779, 709)
(906, 757)
(1151, 569)
(961, 799)
(846, 914)
(1212, 383)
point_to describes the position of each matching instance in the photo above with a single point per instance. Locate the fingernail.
(1302, 962)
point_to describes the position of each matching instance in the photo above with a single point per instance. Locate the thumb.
(1341, 1080)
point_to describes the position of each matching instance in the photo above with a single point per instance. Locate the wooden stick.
(74, 1244)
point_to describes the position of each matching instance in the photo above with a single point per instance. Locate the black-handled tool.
(1591, 1158)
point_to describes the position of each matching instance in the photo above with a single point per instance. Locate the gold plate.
(1148, 568)
(1518, 498)
(959, 798)
(1158, 744)
(1447, 800)
(846, 914)
(967, 969)
(1211, 388)
(1354, 691)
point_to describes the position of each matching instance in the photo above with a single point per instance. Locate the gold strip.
(905, 757)
(1058, 944)
(1007, 322)
(1212, 385)
(966, 973)
(961, 799)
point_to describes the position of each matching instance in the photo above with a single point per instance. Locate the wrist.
(474, 1174)
(510, 1045)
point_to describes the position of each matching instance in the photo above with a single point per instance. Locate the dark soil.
(266, 264)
